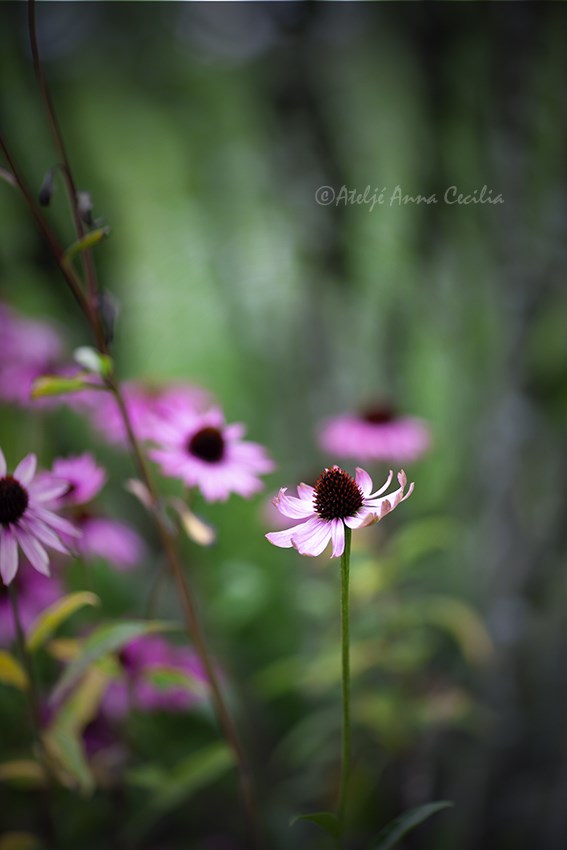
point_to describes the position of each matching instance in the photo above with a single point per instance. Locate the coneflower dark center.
(337, 495)
(379, 414)
(207, 444)
(13, 500)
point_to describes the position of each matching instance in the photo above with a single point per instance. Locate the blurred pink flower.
(143, 404)
(204, 452)
(28, 348)
(136, 690)
(84, 478)
(376, 434)
(27, 518)
(336, 500)
(111, 540)
(35, 594)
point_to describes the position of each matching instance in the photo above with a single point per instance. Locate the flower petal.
(54, 521)
(33, 550)
(364, 481)
(46, 489)
(306, 492)
(386, 504)
(292, 507)
(8, 555)
(311, 537)
(43, 533)
(281, 538)
(2, 464)
(338, 538)
(25, 470)
(383, 488)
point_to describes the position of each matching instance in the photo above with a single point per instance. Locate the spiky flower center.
(337, 495)
(13, 500)
(207, 444)
(379, 414)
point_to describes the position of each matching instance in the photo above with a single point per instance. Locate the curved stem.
(345, 645)
(88, 264)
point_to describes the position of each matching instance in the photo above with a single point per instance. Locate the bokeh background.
(202, 132)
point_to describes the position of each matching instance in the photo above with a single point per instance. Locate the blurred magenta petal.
(377, 435)
(112, 541)
(35, 594)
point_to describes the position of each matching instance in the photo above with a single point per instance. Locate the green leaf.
(50, 619)
(164, 678)
(11, 672)
(49, 385)
(400, 826)
(22, 770)
(93, 361)
(20, 841)
(89, 240)
(63, 738)
(107, 638)
(327, 821)
(173, 787)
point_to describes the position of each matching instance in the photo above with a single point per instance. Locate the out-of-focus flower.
(84, 478)
(27, 518)
(28, 349)
(377, 434)
(140, 661)
(336, 500)
(35, 594)
(101, 537)
(111, 540)
(143, 403)
(204, 452)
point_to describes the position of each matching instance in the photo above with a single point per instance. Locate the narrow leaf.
(164, 678)
(107, 638)
(49, 385)
(396, 829)
(50, 619)
(11, 672)
(194, 527)
(327, 821)
(89, 240)
(22, 769)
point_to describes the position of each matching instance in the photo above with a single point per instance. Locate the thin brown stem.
(87, 259)
(193, 625)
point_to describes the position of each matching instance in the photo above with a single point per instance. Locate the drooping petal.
(292, 507)
(25, 470)
(360, 519)
(33, 550)
(46, 489)
(281, 538)
(54, 521)
(383, 488)
(338, 538)
(386, 504)
(2, 464)
(43, 533)
(8, 555)
(311, 537)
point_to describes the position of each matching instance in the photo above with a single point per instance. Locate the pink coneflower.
(336, 500)
(376, 434)
(140, 660)
(28, 348)
(35, 593)
(26, 518)
(143, 403)
(84, 478)
(204, 452)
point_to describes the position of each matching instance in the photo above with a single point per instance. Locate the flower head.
(376, 434)
(204, 452)
(336, 500)
(28, 348)
(140, 661)
(143, 403)
(27, 518)
(83, 476)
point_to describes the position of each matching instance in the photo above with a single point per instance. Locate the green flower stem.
(345, 644)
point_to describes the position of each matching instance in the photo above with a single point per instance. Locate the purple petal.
(33, 550)
(8, 555)
(38, 528)
(46, 489)
(311, 537)
(2, 464)
(364, 481)
(306, 492)
(281, 538)
(25, 470)
(291, 507)
(383, 488)
(338, 537)
(54, 521)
